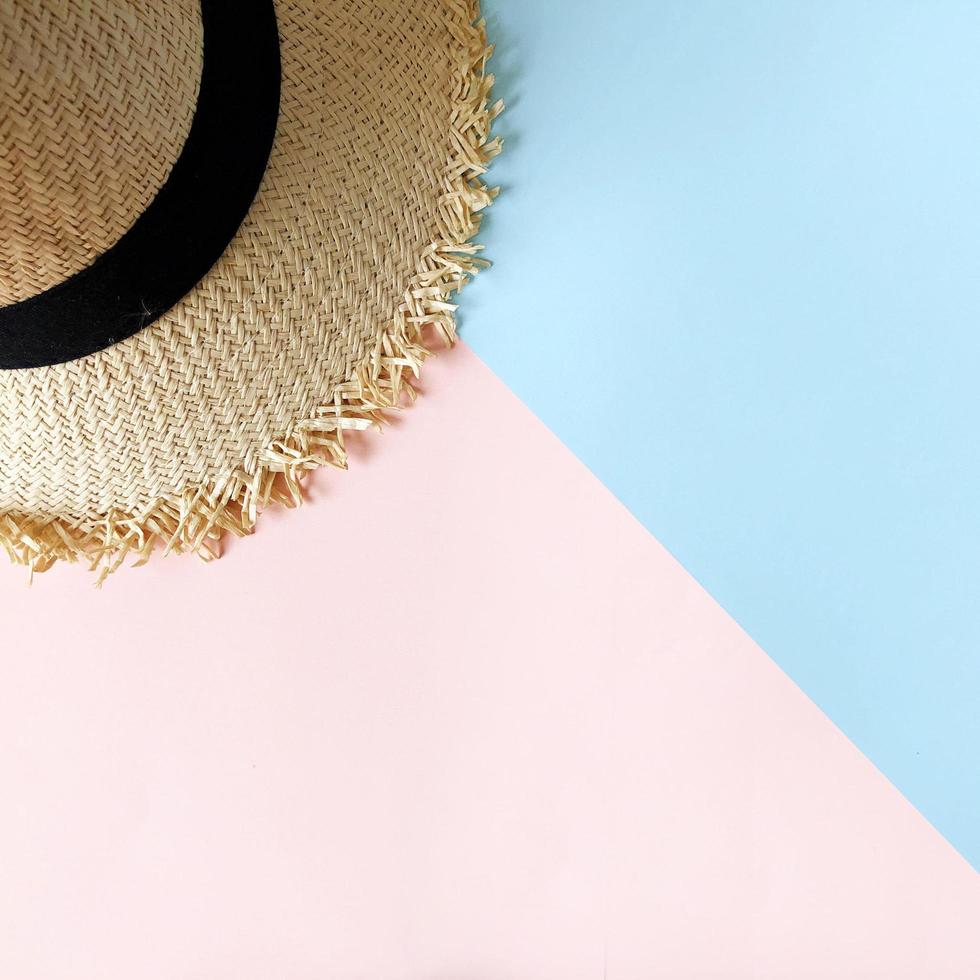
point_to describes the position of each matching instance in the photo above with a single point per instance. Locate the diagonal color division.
(737, 275)
(483, 727)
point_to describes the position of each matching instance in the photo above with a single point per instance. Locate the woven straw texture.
(312, 322)
(96, 101)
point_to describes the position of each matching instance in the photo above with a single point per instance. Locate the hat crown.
(96, 101)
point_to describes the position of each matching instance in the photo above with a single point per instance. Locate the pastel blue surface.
(738, 273)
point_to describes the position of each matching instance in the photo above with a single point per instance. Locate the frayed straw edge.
(198, 521)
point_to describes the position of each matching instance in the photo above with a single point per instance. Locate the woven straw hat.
(229, 232)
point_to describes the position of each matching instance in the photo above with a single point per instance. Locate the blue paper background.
(738, 273)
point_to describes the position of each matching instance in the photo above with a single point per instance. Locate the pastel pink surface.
(460, 719)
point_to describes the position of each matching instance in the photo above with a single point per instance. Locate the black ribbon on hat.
(184, 230)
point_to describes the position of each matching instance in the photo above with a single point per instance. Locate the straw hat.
(229, 232)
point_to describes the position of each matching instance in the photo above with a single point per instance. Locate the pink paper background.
(460, 719)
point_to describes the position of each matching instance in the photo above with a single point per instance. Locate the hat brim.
(313, 322)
